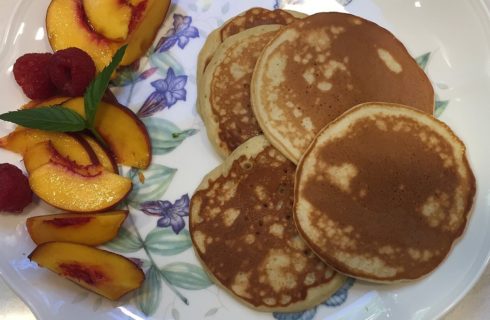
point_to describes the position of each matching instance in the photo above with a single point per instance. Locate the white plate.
(454, 33)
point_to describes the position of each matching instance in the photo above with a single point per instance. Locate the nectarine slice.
(67, 26)
(105, 157)
(45, 103)
(80, 189)
(45, 151)
(100, 271)
(68, 145)
(91, 229)
(141, 38)
(122, 130)
(39, 155)
(110, 18)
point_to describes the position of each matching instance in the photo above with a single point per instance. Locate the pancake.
(383, 192)
(243, 232)
(251, 18)
(225, 89)
(320, 66)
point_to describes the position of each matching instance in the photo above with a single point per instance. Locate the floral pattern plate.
(161, 89)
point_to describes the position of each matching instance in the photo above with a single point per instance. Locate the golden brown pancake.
(318, 67)
(383, 192)
(225, 89)
(251, 18)
(243, 232)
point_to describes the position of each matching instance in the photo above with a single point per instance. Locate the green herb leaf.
(96, 89)
(57, 118)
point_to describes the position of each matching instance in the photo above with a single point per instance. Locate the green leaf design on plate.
(423, 60)
(125, 242)
(165, 136)
(175, 314)
(97, 304)
(125, 76)
(186, 276)
(157, 179)
(82, 295)
(148, 296)
(442, 86)
(211, 312)
(225, 8)
(440, 106)
(164, 60)
(145, 264)
(165, 242)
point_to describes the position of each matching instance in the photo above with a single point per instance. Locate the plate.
(449, 39)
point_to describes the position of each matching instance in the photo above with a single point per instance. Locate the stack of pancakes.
(333, 162)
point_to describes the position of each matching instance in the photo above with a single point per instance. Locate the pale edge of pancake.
(206, 109)
(262, 117)
(296, 14)
(315, 295)
(212, 43)
(395, 109)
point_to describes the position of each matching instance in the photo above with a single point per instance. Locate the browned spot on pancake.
(404, 206)
(230, 91)
(259, 256)
(253, 18)
(330, 62)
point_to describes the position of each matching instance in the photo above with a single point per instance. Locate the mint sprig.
(95, 91)
(55, 118)
(63, 119)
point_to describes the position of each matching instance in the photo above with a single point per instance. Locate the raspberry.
(31, 73)
(71, 71)
(15, 193)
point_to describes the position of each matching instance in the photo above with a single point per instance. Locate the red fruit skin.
(71, 70)
(32, 75)
(15, 192)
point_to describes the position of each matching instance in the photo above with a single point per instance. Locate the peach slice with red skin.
(45, 151)
(91, 229)
(68, 145)
(47, 103)
(81, 148)
(80, 189)
(105, 157)
(66, 185)
(122, 130)
(67, 26)
(103, 272)
(143, 35)
(110, 18)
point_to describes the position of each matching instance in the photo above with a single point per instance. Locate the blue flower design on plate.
(172, 215)
(338, 298)
(180, 34)
(341, 295)
(301, 315)
(167, 92)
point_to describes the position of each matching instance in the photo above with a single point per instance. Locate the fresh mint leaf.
(96, 89)
(57, 118)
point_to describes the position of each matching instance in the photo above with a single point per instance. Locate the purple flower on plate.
(167, 92)
(172, 215)
(179, 34)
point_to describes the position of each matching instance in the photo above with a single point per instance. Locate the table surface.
(473, 306)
